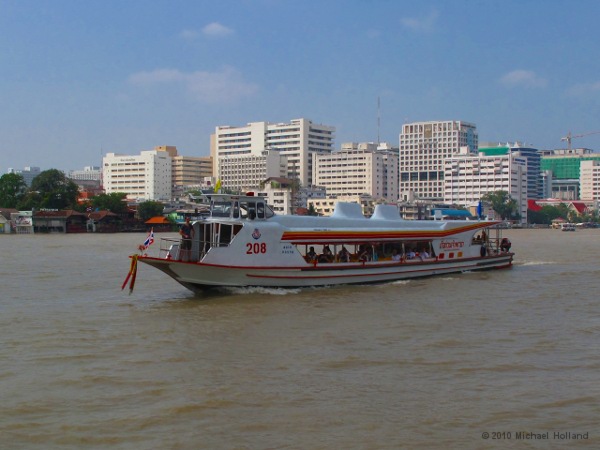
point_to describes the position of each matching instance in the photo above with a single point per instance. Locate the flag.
(218, 186)
(150, 239)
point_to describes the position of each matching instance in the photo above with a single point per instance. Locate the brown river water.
(499, 359)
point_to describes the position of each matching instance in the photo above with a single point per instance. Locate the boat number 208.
(255, 248)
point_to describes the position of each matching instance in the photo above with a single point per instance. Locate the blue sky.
(82, 78)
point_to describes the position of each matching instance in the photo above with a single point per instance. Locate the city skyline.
(81, 80)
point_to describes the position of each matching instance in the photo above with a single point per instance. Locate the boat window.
(248, 210)
(260, 210)
(220, 209)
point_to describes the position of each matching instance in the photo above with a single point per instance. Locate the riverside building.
(298, 141)
(533, 156)
(241, 173)
(467, 178)
(358, 169)
(423, 148)
(147, 176)
(589, 180)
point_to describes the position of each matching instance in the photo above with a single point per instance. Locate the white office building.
(423, 148)
(147, 176)
(358, 169)
(89, 173)
(589, 180)
(246, 172)
(298, 140)
(468, 178)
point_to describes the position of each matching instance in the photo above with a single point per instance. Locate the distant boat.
(242, 242)
(567, 227)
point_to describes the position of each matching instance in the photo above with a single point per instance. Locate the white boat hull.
(199, 276)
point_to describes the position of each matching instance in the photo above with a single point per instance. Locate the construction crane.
(569, 137)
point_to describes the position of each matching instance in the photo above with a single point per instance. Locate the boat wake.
(258, 290)
(534, 263)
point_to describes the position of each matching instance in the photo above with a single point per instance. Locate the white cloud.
(584, 89)
(225, 86)
(423, 24)
(189, 34)
(215, 29)
(523, 78)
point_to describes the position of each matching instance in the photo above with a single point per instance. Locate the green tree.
(149, 209)
(502, 203)
(12, 189)
(55, 190)
(312, 211)
(112, 202)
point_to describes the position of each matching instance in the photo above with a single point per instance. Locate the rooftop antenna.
(378, 119)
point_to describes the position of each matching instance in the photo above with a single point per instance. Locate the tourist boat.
(242, 242)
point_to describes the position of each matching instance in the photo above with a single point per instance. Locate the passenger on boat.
(344, 255)
(187, 233)
(424, 254)
(326, 256)
(311, 256)
(396, 256)
(364, 253)
(505, 245)
(411, 254)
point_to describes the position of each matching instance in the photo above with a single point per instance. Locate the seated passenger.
(344, 255)
(411, 254)
(311, 255)
(396, 256)
(364, 253)
(425, 254)
(326, 256)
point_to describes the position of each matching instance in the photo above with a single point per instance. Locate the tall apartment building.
(358, 169)
(147, 176)
(247, 172)
(190, 172)
(589, 180)
(423, 148)
(533, 156)
(467, 178)
(298, 140)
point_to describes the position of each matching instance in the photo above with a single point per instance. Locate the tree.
(112, 202)
(12, 189)
(149, 209)
(312, 211)
(55, 190)
(502, 203)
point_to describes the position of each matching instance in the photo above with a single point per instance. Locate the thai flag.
(150, 239)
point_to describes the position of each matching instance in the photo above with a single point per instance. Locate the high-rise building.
(189, 172)
(358, 169)
(247, 172)
(535, 189)
(467, 178)
(147, 176)
(423, 148)
(590, 180)
(298, 140)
